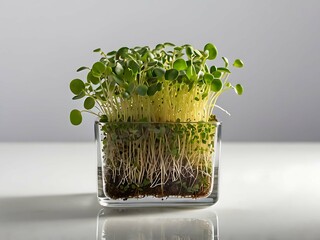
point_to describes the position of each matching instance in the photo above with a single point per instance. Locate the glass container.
(158, 164)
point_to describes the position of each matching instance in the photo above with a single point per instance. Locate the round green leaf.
(152, 89)
(122, 52)
(217, 74)
(142, 90)
(213, 69)
(104, 118)
(75, 117)
(238, 63)
(208, 78)
(239, 89)
(213, 52)
(92, 78)
(159, 72)
(88, 103)
(98, 68)
(216, 85)
(180, 64)
(171, 74)
(76, 86)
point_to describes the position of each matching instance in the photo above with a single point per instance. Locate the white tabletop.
(267, 191)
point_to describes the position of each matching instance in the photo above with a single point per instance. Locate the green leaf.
(180, 64)
(122, 52)
(98, 69)
(152, 89)
(189, 51)
(226, 62)
(159, 72)
(238, 63)
(130, 87)
(118, 80)
(82, 68)
(169, 44)
(142, 90)
(159, 86)
(104, 118)
(239, 89)
(213, 69)
(77, 86)
(216, 85)
(217, 74)
(108, 70)
(92, 78)
(88, 103)
(125, 95)
(97, 50)
(134, 66)
(79, 96)
(208, 78)
(171, 74)
(159, 46)
(118, 69)
(213, 52)
(221, 69)
(111, 53)
(75, 117)
(128, 75)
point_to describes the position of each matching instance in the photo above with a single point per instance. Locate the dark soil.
(186, 187)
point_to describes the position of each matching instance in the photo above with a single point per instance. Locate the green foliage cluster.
(162, 84)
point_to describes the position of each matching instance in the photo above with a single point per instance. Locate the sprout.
(160, 85)
(75, 117)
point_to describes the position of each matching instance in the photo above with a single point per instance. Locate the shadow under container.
(145, 164)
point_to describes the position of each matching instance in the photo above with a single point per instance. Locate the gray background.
(44, 42)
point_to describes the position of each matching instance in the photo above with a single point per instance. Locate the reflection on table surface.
(80, 217)
(154, 224)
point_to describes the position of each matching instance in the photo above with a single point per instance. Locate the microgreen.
(160, 84)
